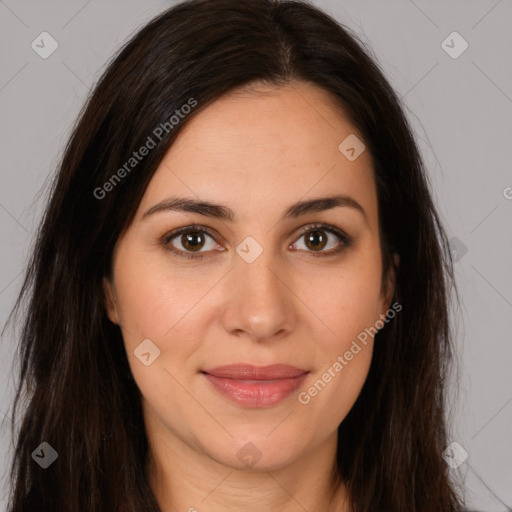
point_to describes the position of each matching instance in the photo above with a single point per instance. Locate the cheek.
(344, 357)
(349, 306)
(166, 308)
(152, 310)
(153, 300)
(331, 393)
(347, 300)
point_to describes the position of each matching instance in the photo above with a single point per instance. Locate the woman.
(238, 296)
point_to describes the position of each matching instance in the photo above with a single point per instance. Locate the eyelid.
(191, 227)
(345, 239)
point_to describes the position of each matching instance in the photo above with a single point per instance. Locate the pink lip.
(256, 386)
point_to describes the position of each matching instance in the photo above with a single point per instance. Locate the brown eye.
(316, 240)
(189, 242)
(192, 241)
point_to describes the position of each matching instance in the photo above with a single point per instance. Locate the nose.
(260, 303)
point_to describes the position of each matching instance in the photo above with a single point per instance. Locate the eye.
(190, 240)
(194, 242)
(320, 236)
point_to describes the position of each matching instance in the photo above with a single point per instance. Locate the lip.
(244, 371)
(255, 386)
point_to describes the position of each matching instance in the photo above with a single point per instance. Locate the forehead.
(264, 149)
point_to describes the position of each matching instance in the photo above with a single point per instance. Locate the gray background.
(461, 111)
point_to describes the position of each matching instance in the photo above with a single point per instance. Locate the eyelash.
(344, 238)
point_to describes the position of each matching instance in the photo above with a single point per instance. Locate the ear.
(110, 301)
(389, 288)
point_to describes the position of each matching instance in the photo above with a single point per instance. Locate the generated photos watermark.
(304, 397)
(151, 142)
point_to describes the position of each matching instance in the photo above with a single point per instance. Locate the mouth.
(255, 386)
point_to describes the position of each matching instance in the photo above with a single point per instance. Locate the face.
(270, 285)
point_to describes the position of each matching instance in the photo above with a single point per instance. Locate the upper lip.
(252, 372)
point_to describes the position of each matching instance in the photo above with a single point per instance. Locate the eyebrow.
(219, 211)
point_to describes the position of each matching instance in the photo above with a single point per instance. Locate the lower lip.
(260, 393)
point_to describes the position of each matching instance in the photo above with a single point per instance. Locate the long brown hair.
(75, 383)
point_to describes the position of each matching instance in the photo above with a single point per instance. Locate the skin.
(258, 154)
